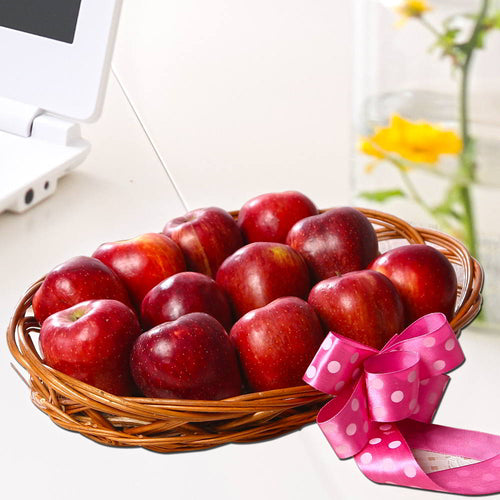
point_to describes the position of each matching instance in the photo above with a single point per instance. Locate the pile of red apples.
(214, 307)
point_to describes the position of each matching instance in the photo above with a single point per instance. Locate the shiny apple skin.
(260, 272)
(189, 358)
(207, 236)
(336, 242)
(424, 278)
(276, 343)
(74, 281)
(362, 305)
(142, 262)
(91, 342)
(182, 294)
(269, 217)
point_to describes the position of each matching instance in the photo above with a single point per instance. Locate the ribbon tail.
(432, 457)
(429, 398)
(345, 423)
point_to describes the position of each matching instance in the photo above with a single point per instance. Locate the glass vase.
(397, 72)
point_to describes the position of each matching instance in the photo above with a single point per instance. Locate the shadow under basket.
(168, 425)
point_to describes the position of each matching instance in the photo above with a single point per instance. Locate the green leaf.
(382, 195)
(446, 43)
(496, 21)
(447, 39)
(492, 21)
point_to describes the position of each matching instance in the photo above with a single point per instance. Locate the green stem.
(469, 49)
(430, 27)
(467, 168)
(412, 190)
(415, 196)
(466, 172)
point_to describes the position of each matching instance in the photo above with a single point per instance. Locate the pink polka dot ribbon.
(384, 402)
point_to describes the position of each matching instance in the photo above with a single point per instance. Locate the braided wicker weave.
(179, 425)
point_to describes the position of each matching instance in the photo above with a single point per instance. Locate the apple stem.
(75, 316)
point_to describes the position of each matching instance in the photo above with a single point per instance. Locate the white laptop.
(55, 58)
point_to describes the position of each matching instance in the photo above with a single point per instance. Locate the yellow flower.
(412, 8)
(419, 142)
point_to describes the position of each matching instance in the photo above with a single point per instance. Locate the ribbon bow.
(385, 400)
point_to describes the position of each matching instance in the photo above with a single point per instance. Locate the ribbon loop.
(434, 340)
(337, 363)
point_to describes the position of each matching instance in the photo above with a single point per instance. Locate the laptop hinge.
(17, 117)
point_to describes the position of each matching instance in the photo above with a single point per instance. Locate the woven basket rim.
(55, 392)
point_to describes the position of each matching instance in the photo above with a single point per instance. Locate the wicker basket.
(167, 425)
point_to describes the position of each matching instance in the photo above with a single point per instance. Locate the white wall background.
(234, 92)
(254, 93)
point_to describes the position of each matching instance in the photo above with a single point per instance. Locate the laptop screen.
(55, 19)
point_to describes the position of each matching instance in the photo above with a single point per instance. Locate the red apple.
(335, 242)
(424, 278)
(76, 280)
(269, 217)
(206, 236)
(261, 272)
(189, 358)
(142, 262)
(361, 305)
(277, 342)
(182, 294)
(91, 342)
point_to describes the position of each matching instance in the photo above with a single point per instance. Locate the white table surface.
(124, 190)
